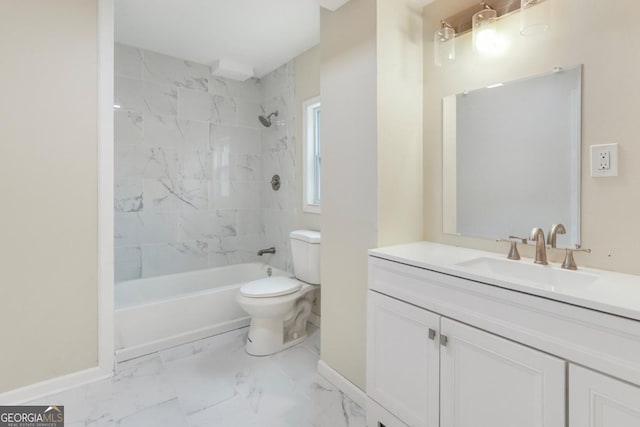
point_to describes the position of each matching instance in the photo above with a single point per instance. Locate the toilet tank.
(305, 249)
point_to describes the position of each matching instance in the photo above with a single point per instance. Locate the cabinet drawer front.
(490, 381)
(601, 341)
(402, 360)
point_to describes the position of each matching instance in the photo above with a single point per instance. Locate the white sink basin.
(542, 276)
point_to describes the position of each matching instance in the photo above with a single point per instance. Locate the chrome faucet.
(270, 250)
(541, 249)
(553, 232)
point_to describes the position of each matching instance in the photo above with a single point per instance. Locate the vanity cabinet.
(403, 359)
(446, 351)
(596, 400)
(431, 371)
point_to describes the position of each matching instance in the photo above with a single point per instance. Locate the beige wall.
(307, 85)
(371, 85)
(596, 34)
(48, 159)
(349, 194)
(399, 67)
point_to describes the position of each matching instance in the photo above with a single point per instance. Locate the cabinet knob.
(432, 334)
(443, 340)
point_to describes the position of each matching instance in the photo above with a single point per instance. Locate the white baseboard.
(314, 319)
(174, 340)
(55, 385)
(352, 391)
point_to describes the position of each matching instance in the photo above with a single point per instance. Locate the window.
(312, 160)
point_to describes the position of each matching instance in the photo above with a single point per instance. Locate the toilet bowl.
(280, 306)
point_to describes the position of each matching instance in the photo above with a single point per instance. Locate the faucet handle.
(513, 250)
(522, 240)
(569, 263)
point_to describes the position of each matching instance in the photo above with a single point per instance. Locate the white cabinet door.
(596, 400)
(402, 360)
(488, 381)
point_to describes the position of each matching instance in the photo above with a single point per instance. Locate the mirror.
(511, 157)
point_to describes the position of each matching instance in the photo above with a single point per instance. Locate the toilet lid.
(270, 287)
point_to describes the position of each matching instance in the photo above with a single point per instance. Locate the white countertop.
(613, 293)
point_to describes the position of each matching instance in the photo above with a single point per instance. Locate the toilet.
(280, 306)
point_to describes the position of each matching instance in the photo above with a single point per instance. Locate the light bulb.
(486, 38)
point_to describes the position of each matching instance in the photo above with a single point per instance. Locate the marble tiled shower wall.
(193, 165)
(278, 157)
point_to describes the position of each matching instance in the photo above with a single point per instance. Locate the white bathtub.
(160, 312)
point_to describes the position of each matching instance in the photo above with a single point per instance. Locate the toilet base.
(266, 338)
(277, 323)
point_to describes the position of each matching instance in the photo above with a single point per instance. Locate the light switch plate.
(604, 160)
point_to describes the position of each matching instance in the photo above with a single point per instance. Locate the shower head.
(266, 120)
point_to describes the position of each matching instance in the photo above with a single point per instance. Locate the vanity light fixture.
(534, 17)
(481, 19)
(444, 40)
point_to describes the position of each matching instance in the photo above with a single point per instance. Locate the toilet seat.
(270, 287)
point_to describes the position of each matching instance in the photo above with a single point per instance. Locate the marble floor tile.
(139, 384)
(313, 340)
(214, 382)
(297, 363)
(167, 414)
(205, 380)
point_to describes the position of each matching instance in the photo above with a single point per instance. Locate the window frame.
(311, 156)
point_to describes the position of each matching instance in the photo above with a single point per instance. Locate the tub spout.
(271, 250)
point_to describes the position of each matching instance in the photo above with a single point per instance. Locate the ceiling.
(262, 34)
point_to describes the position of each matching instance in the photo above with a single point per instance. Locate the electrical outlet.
(604, 157)
(604, 160)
